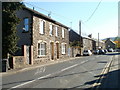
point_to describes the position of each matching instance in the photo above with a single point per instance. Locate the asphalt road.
(112, 79)
(82, 72)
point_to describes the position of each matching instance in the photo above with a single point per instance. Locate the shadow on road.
(110, 81)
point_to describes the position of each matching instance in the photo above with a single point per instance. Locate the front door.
(57, 47)
(52, 50)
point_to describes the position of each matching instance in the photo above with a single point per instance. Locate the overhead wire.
(93, 11)
(50, 12)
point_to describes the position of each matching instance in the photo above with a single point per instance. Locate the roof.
(108, 39)
(38, 14)
(89, 38)
(73, 36)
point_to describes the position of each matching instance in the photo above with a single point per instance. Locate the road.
(112, 79)
(82, 72)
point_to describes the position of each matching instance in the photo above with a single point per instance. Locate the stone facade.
(48, 39)
(54, 49)
(18, 62)
(87, 43)
(101, 45)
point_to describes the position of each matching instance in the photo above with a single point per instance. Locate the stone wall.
(74, 51)
(18, 62)
(87, 44)
(22, 61)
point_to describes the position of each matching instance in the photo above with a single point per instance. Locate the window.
(41, 49)
(56, 29)
(42, 26)
(63, 33)
(63, 47)
(26, 24)
(51, 29)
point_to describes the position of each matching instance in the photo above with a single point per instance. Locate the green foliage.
(75, 44)
(9, 26)
(117, 41)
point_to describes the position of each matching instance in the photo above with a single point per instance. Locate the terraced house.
(45, 38)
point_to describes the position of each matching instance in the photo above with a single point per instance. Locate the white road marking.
(30, 81)
(47, 75)
(40, 70)
(104, 71)
(69, 67)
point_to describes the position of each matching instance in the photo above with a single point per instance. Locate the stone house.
(87, 43)
(74, 38)
(100, 44)
(46, 38)
(110, 44)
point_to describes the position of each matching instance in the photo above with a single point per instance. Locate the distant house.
(100, 44)
(49, 39)
(110, 44)
(73, 36)
(87, 43)
(74, 40)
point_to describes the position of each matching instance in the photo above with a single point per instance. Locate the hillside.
(112, 38)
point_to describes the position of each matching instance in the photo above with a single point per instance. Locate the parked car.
(110, 50)
(105, 51)
(87, 53)
(117, 50)
(101, 51)
(95, 52)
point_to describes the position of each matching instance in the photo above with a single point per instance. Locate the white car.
(87, 53)
(110, 50)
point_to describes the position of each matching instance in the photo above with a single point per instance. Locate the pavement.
(30, 67)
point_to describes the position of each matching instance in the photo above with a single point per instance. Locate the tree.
(9, 26)
(117, 41)
(75, 44)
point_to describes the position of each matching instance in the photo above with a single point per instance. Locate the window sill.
(56, 36)
(51, 35)
(42, 33)
(41, 56)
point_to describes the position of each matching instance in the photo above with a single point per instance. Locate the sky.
(104, 21)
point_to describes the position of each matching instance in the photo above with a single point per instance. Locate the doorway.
(57, 47)
(52, 50)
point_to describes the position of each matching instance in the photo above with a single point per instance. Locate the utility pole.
(98, 40)
(80, 36)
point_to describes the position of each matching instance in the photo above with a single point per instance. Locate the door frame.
(57, 50)
(52, 50)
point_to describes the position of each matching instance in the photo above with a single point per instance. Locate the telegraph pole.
(80, 35)
(98, 40)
